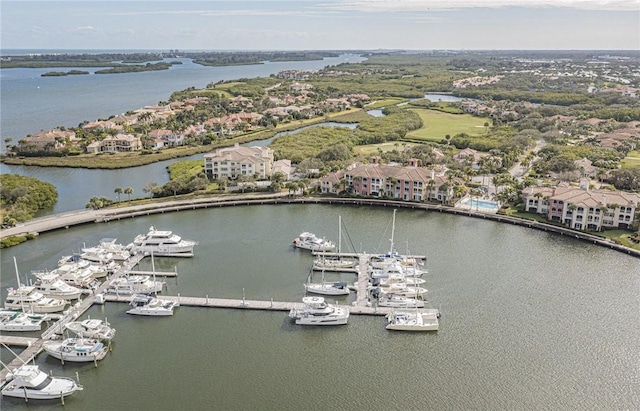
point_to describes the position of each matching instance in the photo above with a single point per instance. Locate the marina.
(486, 304)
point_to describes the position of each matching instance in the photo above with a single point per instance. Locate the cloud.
(388, 6)
(83, 30)
(228, 13)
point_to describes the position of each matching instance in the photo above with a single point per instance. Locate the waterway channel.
(530, 320)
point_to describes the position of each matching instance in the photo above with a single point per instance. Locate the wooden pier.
(17, 341)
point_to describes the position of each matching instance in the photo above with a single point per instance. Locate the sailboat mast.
(393, 230)
(339, 234)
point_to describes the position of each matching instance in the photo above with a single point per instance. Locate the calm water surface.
(529, 320)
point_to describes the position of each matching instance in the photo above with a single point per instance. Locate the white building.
(232, 162)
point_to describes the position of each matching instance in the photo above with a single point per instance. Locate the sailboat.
(27, 297)
(379, 261)
(322, 262)
(327, 288)
(151, 305)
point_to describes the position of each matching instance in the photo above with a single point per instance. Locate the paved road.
(65, 220)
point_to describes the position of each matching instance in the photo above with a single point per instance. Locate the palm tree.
(118, 191)
(128, 191)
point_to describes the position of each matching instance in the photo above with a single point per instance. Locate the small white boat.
(20, 321)
(81, 274)
(92, 328)
(51, 285)
(400, 301)
(28, 381)
(328, 288)
(150, 305)
(132, 284)
(332, 264)
(28, 299)
(309, 241)
(402, 289)
(76, 349)
(315, 311)
(394, 268)
(397, 279)
(412, 321)
(118, 252)
(162, 243)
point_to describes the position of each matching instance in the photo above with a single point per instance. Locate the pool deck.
(464, 205)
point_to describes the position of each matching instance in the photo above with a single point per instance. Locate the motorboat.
(397, 279)
(133, 284)
(28, 381)
(76, 349)
(118, 252)
(162, 243)
(309, 241)
(92, 328)
(393, 267)
(81, 274)
(28, 299)
(150, 305)
(400, 301)
(315, 311)
(50, 285)
(11, 320)
(404, 320)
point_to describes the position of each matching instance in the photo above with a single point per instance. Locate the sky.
(321, 25)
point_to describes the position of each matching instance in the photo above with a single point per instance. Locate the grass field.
(436, 125)
(372, 149)
(632, 160)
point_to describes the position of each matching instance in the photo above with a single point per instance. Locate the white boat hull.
(56, 349)
(322, 321)
(63, 388)
(35, 308)
(15, 321)
(326, 289)
(150, 312)
(412, 321)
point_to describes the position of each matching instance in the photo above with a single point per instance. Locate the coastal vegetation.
(63, 73)
(22, 197)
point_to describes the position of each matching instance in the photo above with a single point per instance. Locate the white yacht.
(162, 243)
(76, 349)
(133, 284)
(397, 279)
(118, 252)
(28, 299)
(400, 301)
(151, 306)
(315, 311)
(28, 381)
(328, 288)
(11, 320)
(404, 320)
(309, 241)
(81, 274)
(92, 328)
(51, 285)
(402, 289)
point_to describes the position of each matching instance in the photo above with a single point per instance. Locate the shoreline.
(79, 217)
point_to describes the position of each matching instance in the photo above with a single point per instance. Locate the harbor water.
(530, 320)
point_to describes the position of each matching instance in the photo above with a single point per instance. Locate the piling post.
(62, 398)
(26, 399)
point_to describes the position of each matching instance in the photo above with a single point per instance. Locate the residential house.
(48, 140)
(582, 208)
(586, 168)
(232, 162)
(115, 144)
(408, 183)
(171, 138)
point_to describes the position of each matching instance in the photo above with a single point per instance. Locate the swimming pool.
(475, 203)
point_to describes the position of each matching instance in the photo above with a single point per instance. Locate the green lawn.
(438, 124)
(372, 149)
(384, 102)
(632, 160)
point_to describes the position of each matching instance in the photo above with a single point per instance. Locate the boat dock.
(361, 306)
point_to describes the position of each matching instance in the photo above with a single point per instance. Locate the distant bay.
(31, 103)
